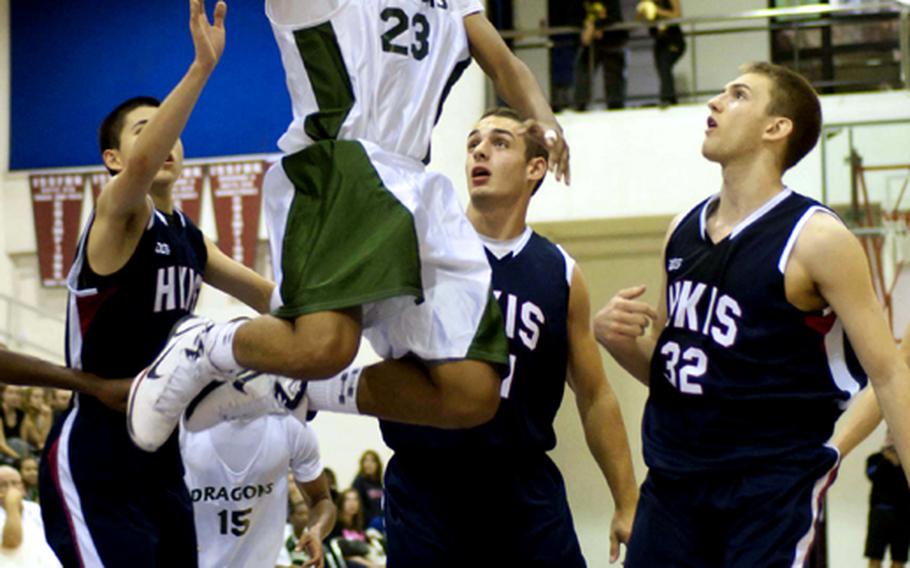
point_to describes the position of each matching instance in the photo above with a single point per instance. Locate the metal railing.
(799, 20)
(14, 311)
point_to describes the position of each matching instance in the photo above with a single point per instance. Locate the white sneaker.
(161, 392)
(247, 397)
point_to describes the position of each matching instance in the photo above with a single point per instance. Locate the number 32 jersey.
(739, 375)
(374, 70)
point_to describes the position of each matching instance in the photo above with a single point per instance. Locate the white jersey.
(373, 70)
(237, 475)
(34, 551)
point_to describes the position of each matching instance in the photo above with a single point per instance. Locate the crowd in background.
(28, 414)
(601, 47)
(359, 534)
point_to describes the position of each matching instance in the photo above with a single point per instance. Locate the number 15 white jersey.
(374, 70)
(237, 476)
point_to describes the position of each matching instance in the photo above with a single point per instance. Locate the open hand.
(552, 138)
(208, 38)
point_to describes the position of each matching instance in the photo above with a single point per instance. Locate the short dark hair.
(792, 97)
(534, 148)
(112, 125)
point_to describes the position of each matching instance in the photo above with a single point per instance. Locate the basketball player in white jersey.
(237, 476)
(364, 240)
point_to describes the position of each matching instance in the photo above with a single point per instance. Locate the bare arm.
(124, 206)
(19, 369)
(322, 518)
(517, 86)
(861, 420)
(237, 280)
(836, 264)
(601, 417)
(622, 325)
(12, 528)
(864, 415)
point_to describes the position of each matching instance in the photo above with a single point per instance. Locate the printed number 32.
(421, 46)
(695, 364)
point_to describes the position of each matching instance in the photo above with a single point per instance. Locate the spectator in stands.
(28, 469)
(350, 530)
(8, 455)
(889, 508)
(38, 416)
(60, 401)
(565, 13)
(604, 48)
(12, 415)
(21, 530)
(669, 43)
(368, 484)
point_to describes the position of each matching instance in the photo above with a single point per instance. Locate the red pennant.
(237, 199)
(188, 191)
(57, 207)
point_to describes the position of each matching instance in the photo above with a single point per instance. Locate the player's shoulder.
(541, 245)
(299, 435)
(822, 230)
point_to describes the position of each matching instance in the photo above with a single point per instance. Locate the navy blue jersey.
(116, 324)
(108, 502)
(739, 375)
(531, 284)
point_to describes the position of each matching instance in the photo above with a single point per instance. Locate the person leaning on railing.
(602, 47)
(669, 43)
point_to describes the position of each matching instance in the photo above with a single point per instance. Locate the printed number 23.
(421, 46)
(695, 363)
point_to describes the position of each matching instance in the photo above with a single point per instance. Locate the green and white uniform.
(354, 217)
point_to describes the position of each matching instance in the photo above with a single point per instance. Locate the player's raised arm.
(600, 415)
(518, 87)
(237, 280)
(125, 195)
(836, 264)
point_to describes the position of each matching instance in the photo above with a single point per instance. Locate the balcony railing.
(839, 48)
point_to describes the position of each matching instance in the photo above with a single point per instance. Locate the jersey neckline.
(503, 248)
(743, 224)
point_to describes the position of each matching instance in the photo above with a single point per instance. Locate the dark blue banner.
(74, 61)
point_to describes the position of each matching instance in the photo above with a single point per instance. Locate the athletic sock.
(337, 394)
(220, 346)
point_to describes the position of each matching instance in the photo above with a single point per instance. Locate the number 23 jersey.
(739, 375)
(374, 70)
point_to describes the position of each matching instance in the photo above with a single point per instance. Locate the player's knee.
(477, 399)
(322, 356)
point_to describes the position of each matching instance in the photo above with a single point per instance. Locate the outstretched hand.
(552, 138)
(208, 38)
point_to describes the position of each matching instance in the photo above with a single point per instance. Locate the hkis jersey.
(739, 375)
